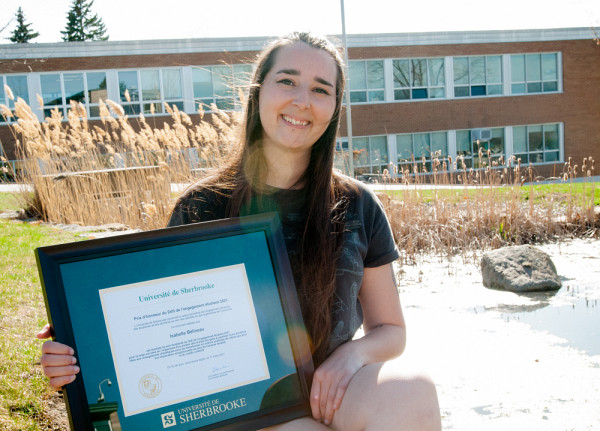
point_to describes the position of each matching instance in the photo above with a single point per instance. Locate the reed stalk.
(111, 171)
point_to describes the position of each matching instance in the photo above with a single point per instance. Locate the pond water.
(502, 360)
(578, 323)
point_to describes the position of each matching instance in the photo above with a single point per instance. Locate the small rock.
(9, 215)
(114, 227)
(108, 233)
(67, 227)
(14, 215)
(521, 268)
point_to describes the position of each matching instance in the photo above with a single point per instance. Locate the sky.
(179, 19)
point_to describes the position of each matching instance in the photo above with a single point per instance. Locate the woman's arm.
(383, 321)
(384, 339)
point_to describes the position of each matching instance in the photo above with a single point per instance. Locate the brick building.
(534, 94)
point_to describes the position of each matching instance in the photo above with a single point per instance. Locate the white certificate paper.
(183, 337)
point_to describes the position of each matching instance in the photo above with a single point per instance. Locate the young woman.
(338, 239)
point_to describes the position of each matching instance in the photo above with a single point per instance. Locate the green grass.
(24, 392)
(10, 202)
(576, 190)
(540, 192)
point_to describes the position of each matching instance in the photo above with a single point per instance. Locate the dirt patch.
(55, 413)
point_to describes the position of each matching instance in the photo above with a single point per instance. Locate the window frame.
(91, 107)
(372, 166)
(230, 99)
(431, 90)
(487, 79)
(371, 94)
(471, 159)
(527, 83)
(138, 105)
(403, 162)
(544, 151)
(5, 100)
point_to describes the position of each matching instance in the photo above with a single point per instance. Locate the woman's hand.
(58, 362)
(331, 379)
(384, 339)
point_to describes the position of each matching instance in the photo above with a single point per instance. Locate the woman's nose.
(302, 98)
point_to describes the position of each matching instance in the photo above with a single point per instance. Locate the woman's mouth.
(294, 121)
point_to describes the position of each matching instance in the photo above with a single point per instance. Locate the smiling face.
(297, 99)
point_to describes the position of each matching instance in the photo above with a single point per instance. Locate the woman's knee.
(384, 398)
(419, 394)
(302, 424)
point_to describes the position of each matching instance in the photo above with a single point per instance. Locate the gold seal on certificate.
(150, 385)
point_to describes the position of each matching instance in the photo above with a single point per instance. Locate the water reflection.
(571, 313)
(577, 321)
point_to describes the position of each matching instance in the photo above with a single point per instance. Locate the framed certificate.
(195, 327)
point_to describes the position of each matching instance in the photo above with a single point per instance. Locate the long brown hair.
(315, 270)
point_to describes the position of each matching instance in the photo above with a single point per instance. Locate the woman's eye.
(286, 81)
(321, 91)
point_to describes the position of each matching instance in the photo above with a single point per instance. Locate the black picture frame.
(74, 276)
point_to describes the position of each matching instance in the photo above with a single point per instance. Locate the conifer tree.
(82, 24)
(22, 33)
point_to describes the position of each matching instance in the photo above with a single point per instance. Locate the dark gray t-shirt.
(368, 240)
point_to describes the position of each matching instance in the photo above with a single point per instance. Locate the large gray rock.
(520, 268)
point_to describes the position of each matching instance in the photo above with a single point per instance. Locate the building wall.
(577, 107)
(123, 62)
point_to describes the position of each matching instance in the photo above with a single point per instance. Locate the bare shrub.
(112, 172)
(464, 211)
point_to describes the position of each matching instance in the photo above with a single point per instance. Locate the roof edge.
(236, 44)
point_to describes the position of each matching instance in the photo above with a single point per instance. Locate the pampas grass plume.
(115, 108)
(9, 92)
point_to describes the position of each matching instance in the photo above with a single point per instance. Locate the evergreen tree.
(82, 25)
(22, 33)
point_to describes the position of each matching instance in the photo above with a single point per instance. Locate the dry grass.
(467, 211)
(26, 402)
(112, 172)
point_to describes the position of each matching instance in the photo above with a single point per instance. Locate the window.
(149, 89)
(468, 144)
(534, 73)
(52, 93)
(536, 144)
(477, 76)
(366, 80)
(59, 89)
(95, 91)
(419, 78)
(414, 147)
(18, 87)
(341, 144)
(220, 85)
(341, 156)
(370, 154)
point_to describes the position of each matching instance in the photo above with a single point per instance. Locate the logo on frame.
(168, 419)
